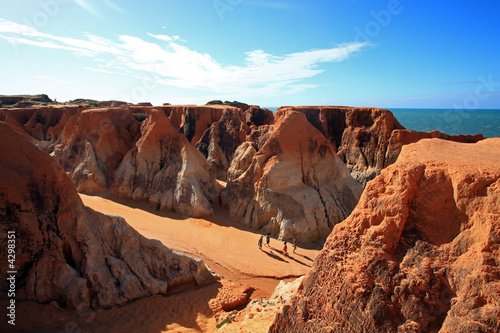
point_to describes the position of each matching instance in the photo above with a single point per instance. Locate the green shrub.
(140, 116)
(225, 321)
(215, 102)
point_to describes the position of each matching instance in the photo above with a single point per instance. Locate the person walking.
(260, 242)
(294, 244)
(285, 252)
(268, 239)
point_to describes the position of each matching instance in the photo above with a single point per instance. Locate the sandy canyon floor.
(228, 248)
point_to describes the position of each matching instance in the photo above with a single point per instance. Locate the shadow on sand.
(303, 256)
(288, 256)
(185, 309)
(297, 261)
(274, 256)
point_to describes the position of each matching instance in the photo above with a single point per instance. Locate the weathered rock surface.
(259, 314)
(367, 139)
(166, 170)
(399, 138)
(39, 122)
(68, 253)
(295, 187)
(420, 253)
(256, 116)
(360, 135)
(220, 141)
(92, 145)
(192, 120)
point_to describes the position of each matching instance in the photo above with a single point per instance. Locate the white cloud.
(167, 38)
(170, 63)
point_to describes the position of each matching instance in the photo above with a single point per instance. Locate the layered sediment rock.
(367, 139)
(166, 170)
(399, 138)
(220, 141)
(420, 253)
(92, 145)
(42, 123)
(192, 120)
(295, 187)
(68, 253)
(256, 116)
(360, 135)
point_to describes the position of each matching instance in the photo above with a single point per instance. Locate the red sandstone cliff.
(420, 253)
(42, 123)
(295, 186)
(192, 120)
(367, 139)
(166, 170)
(68, 253)
(220, 141)
(93, 144)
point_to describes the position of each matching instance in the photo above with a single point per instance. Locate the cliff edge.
(68, 253)
(419, 253)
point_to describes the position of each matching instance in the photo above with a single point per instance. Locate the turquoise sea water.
(452, 122)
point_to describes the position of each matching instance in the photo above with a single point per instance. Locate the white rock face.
(242, 160)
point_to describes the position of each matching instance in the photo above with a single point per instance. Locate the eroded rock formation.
(359, 135)
(166, 170)
(367, 139)
(192, 120)
(93, 144)
(399, 138)
(42, 123)
(68, 253)
(220, 141)
(295, 187)
(420, 253)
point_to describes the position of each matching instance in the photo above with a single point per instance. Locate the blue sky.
(393, 53)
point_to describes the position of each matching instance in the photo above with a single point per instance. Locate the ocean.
(452, 122)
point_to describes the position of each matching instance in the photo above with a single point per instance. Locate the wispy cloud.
(170, 63)
(167, 38)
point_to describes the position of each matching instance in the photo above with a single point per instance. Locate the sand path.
(228, 248)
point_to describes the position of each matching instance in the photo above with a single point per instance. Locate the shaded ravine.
(227, 248)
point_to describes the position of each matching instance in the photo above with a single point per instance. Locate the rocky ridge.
(68, 253)
(367, 139)
(295, 185)
(91, 144)
(166, 170)
(419, 253)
